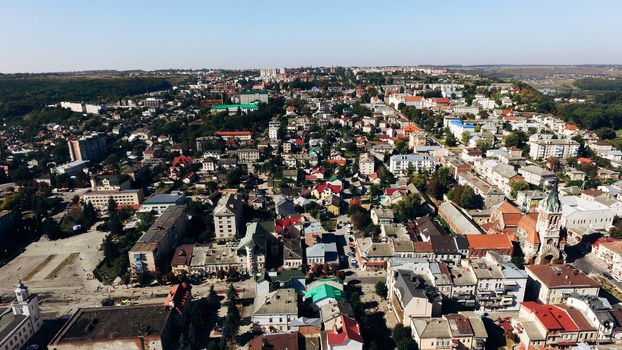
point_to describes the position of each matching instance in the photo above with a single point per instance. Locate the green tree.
(516, 139)
(517, 185)
(381, 289)
(466, 136)
(450, 139)
(109, 250)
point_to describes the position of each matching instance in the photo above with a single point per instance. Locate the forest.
(22, 95)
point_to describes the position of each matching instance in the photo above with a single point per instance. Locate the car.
(617, 278)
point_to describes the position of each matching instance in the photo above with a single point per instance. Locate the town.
(328, 208)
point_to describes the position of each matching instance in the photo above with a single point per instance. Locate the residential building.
(274, 311)
(92, 148)
(232, 109)
(367, 164)
(253, 96)
(559, 148)
(345, 335)
(610, 252)
(554, 283)
(156, 245)
(597, 311)
(273, 129)
(410, 296)
(500, 284)
(71, 168)
(401, 164)
(449, 332)
(211, 258)
(537, 176)
(382, 216)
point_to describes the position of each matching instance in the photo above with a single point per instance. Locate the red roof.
(391, 190)
(182, 160)
(333, 188)
(584, 160)
(337, 161)
(178, 296)
(413, 98)
(349, 330)
(280, 224)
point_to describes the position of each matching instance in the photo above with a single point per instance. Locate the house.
(500, 284)
(273, 312)
(180, 264)
(259, 246)
(610, 252)
(537, 176)
(449, 332)
(345, 335)
(381, 216)
(210, 258)
(410, 296)
(159, 202)
(366, 164)
(269, 281)
(276, 341)
(548, 325)
(597, 312)
(322, 292)
(554, 283)
(325, 191)
(332, 311)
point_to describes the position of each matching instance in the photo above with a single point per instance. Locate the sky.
(75, 35)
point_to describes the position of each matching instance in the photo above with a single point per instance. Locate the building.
(410, 296)
(92, 148)
(401, 164)
(273, 312)
(253, 96)
(71, 168)
(537, 176)
(456, 220)
(610, 252)
(235, 135)
(228, 217)
(344, 335)
(209, 259)
(156, 245)
(544, 243)
(551, 326)
(134, 327)
(500, 284)
(579, 212)
(554, 283)
(449, 332)
(82, 107)
(559, 148)
(382, 216)
(110, 182)
(277, 341)
(100, 199)
(159, 202)
(232, 109)
(246, 155)
(20, 320)
(480, 244)
(597, 312)
(273, 129)
(367, 164)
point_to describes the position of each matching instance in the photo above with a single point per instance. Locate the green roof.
(324, 291)
(241, 106)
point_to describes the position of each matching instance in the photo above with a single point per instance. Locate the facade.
(559, 148)
(100, 199)
(449, 332)
(253, 96)
(500, 284)
(20, 320)
(273, 129)
(366, 164)
(227, 218)
(92, 148)
(544, 245)
(273, 312)
(554, 283)
(156, 245)
(400, 164)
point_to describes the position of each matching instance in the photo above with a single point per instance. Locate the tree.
(381, 289)
(516, 139)
(109, 250)
(450, 139)
(212, 297)
(483, 145)
(517, 185)
(466, 136)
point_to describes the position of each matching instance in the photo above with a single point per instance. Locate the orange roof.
(482, 241)
(511, 214)
(413, 98)
(411, 127)
(528, 224)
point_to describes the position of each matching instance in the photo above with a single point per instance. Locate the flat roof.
(112, 322)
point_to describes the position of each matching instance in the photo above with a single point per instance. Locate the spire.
(552, 203)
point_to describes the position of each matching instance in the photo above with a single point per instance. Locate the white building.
(577, 211)
(20, 320)
(227, 217)
(366, 164)
(400, 164)
(540, 148)
(273, 130)
(273, 312)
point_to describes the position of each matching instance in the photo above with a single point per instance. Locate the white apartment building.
(559, 148)
(400, 163)
(100, 199)
(366, 164)
(273, 130)
(227, 218)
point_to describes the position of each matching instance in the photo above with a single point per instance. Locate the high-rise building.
(92, 148)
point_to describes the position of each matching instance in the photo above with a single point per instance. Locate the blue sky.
(61, 35)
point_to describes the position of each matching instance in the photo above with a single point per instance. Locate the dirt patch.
(38, 268)
(68, 260)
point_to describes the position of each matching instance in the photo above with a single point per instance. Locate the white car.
(617, 278)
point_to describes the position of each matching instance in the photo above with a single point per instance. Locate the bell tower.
(548, 226)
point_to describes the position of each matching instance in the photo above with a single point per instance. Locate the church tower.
(548, 227)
